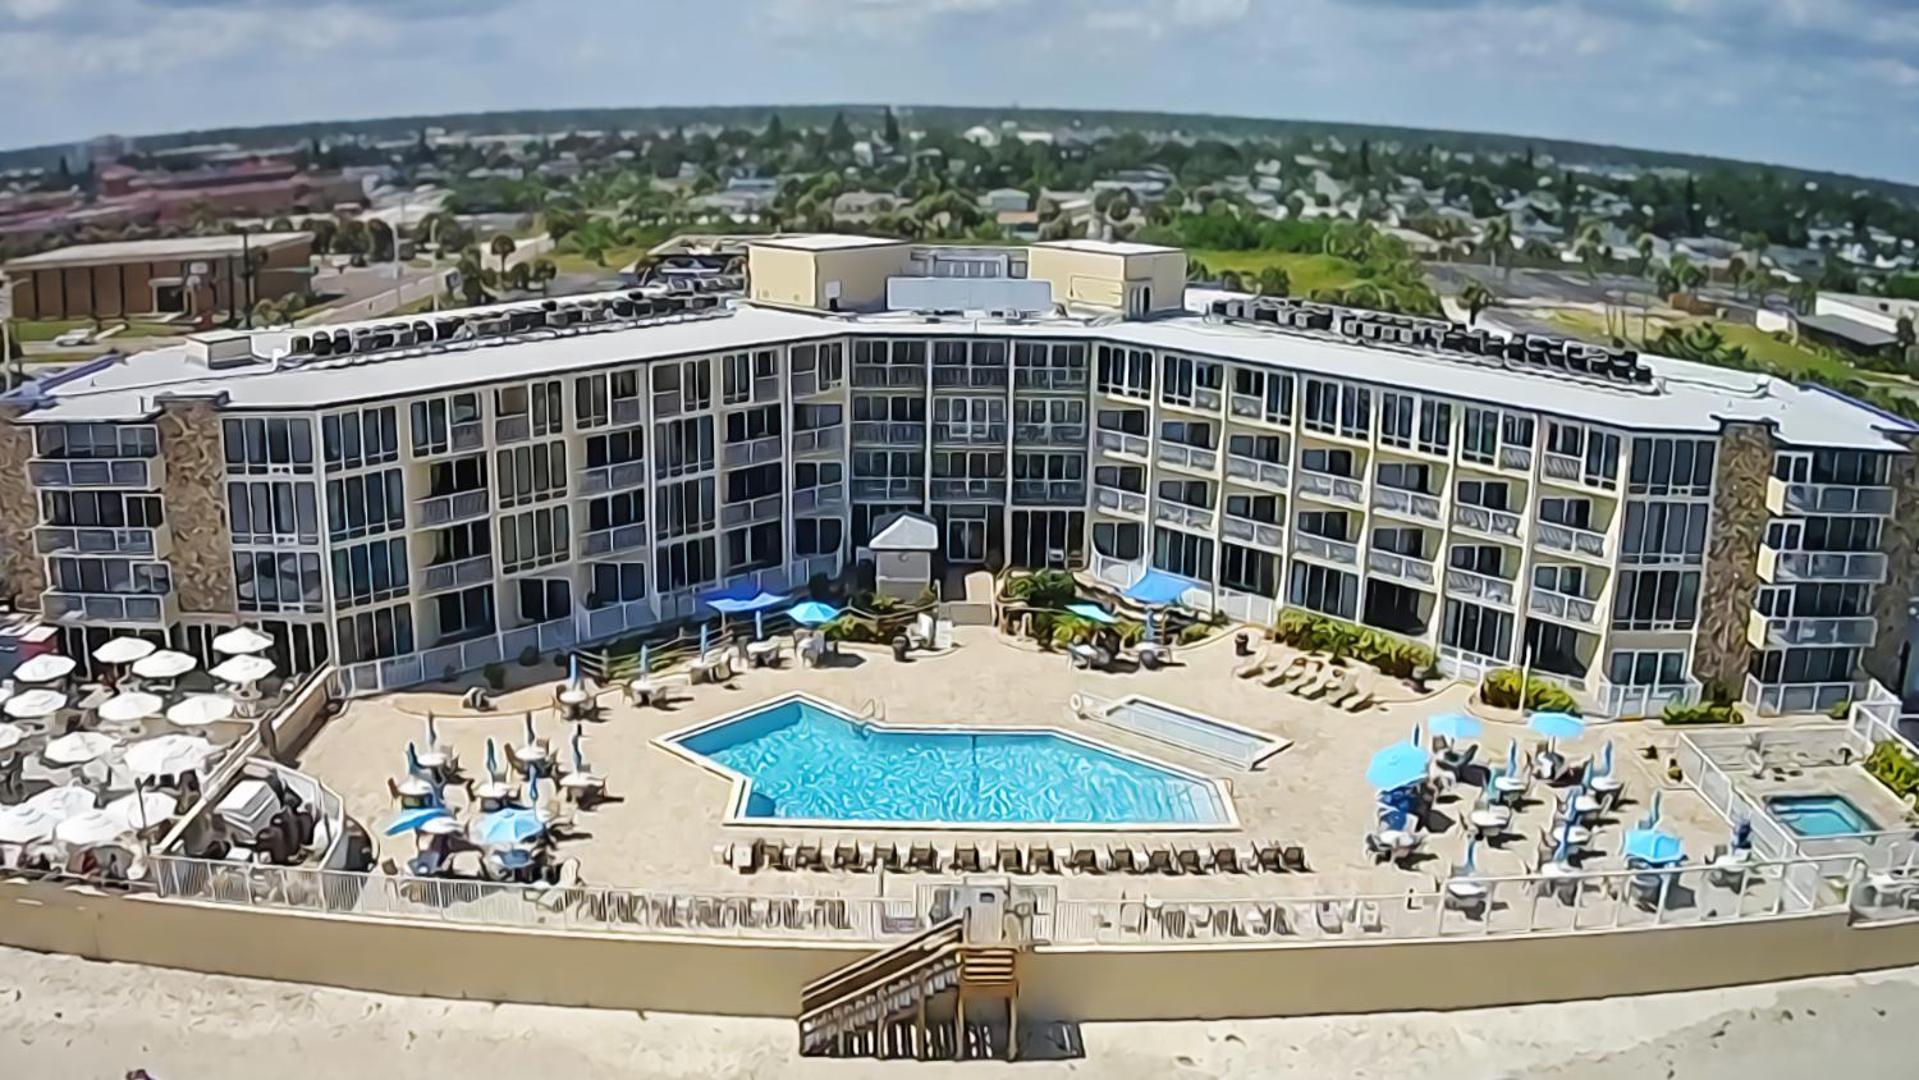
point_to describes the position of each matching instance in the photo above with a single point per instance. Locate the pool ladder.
(874, 711)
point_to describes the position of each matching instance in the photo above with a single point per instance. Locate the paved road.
(68, 1018)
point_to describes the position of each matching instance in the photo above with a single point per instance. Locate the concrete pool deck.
(662, 831)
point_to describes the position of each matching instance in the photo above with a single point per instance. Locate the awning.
(1159, 588)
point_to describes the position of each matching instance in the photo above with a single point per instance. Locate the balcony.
(1772, 632)
(954, 378)
(1567, 540)
(1401, 568)
(1119, 501)
(950, 434)
(807, 383)
(1253, 408)
(1563, 467)
(620, 538)
(1192, 458)
(1783, 498)
(1486, 521)
(1411, 505)
(1068, 436)
(883, 433)
(873, 376)
(752, 452)
(1203, 400)
(1197, 518)
(829, 497)
(155, 543)
(1516, 458)
(1337, 552)
(512, 429)
(452, 509)
(969, 489)
(459, 574)
(138, 474)
(1326, 487)
(1068, 380)
(143, 610)
(1795, 567)
(1257, 533)
(1123, 444)
(1621, 701)
(609, 478)
(1790, 699)
(668, 404)
(826, 440)
(1470, 585)
(888, 488)
(753, 511)
(1049, 492)
(462, 438)
(1254, 472)
(626, 411)
(1575, 611)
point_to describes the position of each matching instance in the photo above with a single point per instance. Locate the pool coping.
(742, 785)
(1874, 828)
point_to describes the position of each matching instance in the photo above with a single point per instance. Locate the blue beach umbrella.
(1652, 812)
(415, 820)
(413, 760)
(1092, 612)
(646, 659)
(1557, 725)
(506, 828)
(1455, 726)
(573, 669)
(1468, 864)
(1512, 758)
(1397, 765)
(1605, 760)
(702, 639)
(1652, 847)
(813, 613)
(759, 624)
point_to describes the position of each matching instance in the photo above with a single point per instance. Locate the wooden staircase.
(879, 1006)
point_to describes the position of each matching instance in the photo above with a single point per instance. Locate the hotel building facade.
(407, 499)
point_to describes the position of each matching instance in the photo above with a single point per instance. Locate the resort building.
(405, 499)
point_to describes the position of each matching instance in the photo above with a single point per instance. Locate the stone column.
(1730, 583)
(196, 502)
(1899, 539)
(23, 573)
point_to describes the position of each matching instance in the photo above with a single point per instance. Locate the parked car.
(79, 335)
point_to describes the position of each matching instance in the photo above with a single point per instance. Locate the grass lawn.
(1308, 272)
(48, 329)
(572, 262)
(1787, 355)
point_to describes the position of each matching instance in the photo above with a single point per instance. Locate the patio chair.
(1369, 918)
(810, 857)
(1083, 860)
(1009, 859)
(1298, 667)
(1331, 916)
(966, 859)
(1189, 859)
(1293, 858)
(1159, 860)
(1267, 856)
(845, 855)
(1122, 858)
(1332, 688)
(1314, 683)
(1254, 666)
(1344, 690)
(943, 857)
(1039, 859)
(785, 856)
(920, 856)
(886, 856)
(865, 856)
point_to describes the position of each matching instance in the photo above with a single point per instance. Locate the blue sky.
(1822, 83)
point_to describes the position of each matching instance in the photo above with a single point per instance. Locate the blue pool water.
(1820, 815)
(805, 762)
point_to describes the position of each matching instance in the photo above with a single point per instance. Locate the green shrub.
(495, 675)
(1129, 632)
(1892, 766)
(1193, 632)
(849, 627)
(1500, 689)
(1043, 588)
(1706, 712)
(1840, 709)
(529, 656)
(1040, 625)
(1340, 639)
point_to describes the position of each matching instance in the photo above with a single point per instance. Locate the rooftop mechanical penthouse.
(409, 497)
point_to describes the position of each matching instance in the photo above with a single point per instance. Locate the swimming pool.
(1187, 730)
(800, 760)
(1820, 815)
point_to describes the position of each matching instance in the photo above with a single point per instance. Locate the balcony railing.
(823, 497)
(151, 610)
(1031, 378)
(621, 538)
(1189, 517)
(1563, 467)
(1251, 407)
(1258, 533)
(1469, 584)
(1399, 502)
(511, 429)
(100, 540)
(462, 438)
(1791, 699)
(1064, 435)
(456, 575)
(951, 434)
(1326, 486)
(449, 509)
(1266, 474)
(1119, 501)
(752, 511)
(1049, 492)
(1785, 498)
(1793, 567)
(1622, 701)
(969, 489)
(1516, 458)
(819, 440)
(668, 404)
(608, 478)
(1196, 458)
(1481, 519)
(987, 377)
(884, 433)
(869, 375)
(1571, 541)
(1119, 442)
(1403, 568)
(626, 410)
(888, 488)
(144, 474)
(1324, 549)
(1767, 632)
(753, 452)
(1563, 607)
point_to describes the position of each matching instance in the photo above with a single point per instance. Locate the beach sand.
(72, 1019)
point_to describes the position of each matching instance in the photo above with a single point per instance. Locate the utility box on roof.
(825, 272)
(1134, 280)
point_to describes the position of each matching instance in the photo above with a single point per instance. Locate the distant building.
(1006, 201)
(192, 275)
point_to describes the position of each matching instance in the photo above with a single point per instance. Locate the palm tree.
(544, 271)
(502, 246)
(1645, 245)
(1907, 337)
(1477, 298)
(1497, 237)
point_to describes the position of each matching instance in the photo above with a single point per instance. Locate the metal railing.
(819, 440)
(1119, 500)
(1774, 632)
(1788, 699)
(823, 497)
(1401, 568)
(511, 429)
(1784, 497)
(1120, 442)
(1563, 607)
(1320, 547)
(1182, 456)
(1788, 567)
(887, 433)
(1058, 435)
(1408, 504)
(1571, 541)
(458, 574)
(764, 508)
(1516, 458)
(448, 509)
(605, 479)
(1619, 700)
(1190, 517)
(971, 489)
(963, 433)
(1247, 530)
(1036, 378)
(1481, 519)
(877, 375)
(1050, 492)
(617, 538)
(1470, 583)
(1338, 489)
(130, 609)
(1254, 471)
(100, 540)
(139, 473)
(753, 452)
(891, 488)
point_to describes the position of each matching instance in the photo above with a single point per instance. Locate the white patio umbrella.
(242, 640)
(61, 803)
(90, 828)
(129, 705)
(142, 810)
(10, 737)
(78, 747)
(44, 668)
(123, 650)
(201, 710)
(36, 704)
(25, 824)
(165, 664)
(242, 670)
(167, 755)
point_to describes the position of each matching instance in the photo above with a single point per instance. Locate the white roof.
(181, 247)
(908, 532)
(1108, 247)
(827, 242)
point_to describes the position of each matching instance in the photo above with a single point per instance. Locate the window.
(530, 474)
(615, 448)
(1041, 366)
(1324, 590)
(1260, 508)
(1805, 665)
(1058, 411)
(1572, 513)
(736, 379)
(1183, 553)
(1646, 667)
(753, 482)
(1322, 406)
(273, 512)
(684, 446)
(1329, 524)
(1851, 468)
(1597, 452)
(1668, 533)
(1821, 601)
(1270, 449)
(1516, 431)
(1195, 433)
(808, 475)
(755, 547)
(817, 417)
(1039, 466)
(1408, 542)
(456, 475)
(895, 408)
(356, 505)
(1249, 570)
(614, 511)
(1405, 477)
(1180, 376)
(121, 576)
(1435, 426)
(143, 441)
(269, 582)
(112, 509)
(888, 464)
(1125, 372)
(1187, 493)
(376, 635)
(591, 408)
(253, 447)
(466, 614)
(1479, 439)
(1118, 540)
(1335, 462)
(1121, 477)
(1397, 413)
(1263, 395)
(1566, 580)
(686, 386)
(686, 565)
(1125, 421)
(466, 540)
(1656, 600)
(683, 508)
(826, 362)
(355, 439)
(1487, 559)
(369, 573)
(440, 422)
(1477, 630)
(1355, 411)
(534, 538)
(1488, 494)
(617, 583)
(817, 536)
(545, 599)
(749, 425)
(1671, 467)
